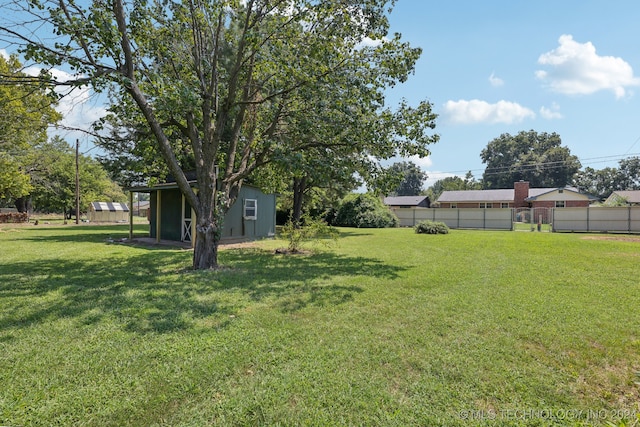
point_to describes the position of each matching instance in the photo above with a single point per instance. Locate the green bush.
(311, 230)
(365, 211)
(431, 227)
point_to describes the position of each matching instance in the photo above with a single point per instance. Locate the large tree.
(25, 114)
(530, 156)
(411, 178)
(53, 176)
(452, 183)
(602, 182)
(217, 75)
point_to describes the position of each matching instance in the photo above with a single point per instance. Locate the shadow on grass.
(81, 233)
(149, 291)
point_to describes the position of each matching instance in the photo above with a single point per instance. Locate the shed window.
(559, 203)
(250, 209)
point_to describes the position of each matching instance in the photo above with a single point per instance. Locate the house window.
(483, 205)
(559, 203)
(489, 205)
(504, 205)
(454, 206)
(250, 209)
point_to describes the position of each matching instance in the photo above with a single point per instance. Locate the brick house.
(520, 196)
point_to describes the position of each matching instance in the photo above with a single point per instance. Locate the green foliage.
(311, 230)
(431, 227)
(411, 178)
(25, 114)
(53, 177)
(452, 183)
(616, 201)
(605, 181)
(365, 211)
(530, 156)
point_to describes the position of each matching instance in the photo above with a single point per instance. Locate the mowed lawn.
(384, 328)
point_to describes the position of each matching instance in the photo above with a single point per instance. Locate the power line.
(525, 167)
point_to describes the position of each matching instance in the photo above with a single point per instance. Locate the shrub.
(431, 227)
(311, 230)
(365, 211)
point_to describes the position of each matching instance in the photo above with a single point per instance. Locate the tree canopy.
(452, 183)
(411, 178)
(217, 83)
(603, 182)
(25, 114)
(530, 156)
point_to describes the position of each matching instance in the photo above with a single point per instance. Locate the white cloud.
(477, 111)
(78, 107)
(495, 81)
(422, 162)
(551, 113)
(369, 42)
(576, 69)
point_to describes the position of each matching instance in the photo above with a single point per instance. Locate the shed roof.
(404, 200)
(109, 207)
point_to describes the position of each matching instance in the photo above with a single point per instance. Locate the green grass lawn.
(385, 328)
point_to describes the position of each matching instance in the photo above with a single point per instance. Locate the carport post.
(131, 215)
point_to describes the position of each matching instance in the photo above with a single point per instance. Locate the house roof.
(533, 196)
(404, 200)
(503, 195)
(632, 196)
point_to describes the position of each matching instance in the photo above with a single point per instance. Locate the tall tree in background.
(603, 182)
(25, 114)
(215, 76)
(53, 172)
(530, 156)
(600, 183)
(452, 183)
(411, 178)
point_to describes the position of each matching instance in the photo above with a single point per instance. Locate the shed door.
(185, 235)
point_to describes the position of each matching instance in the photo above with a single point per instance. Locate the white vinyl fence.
(593, 219)
(597, 219)
(495, 219)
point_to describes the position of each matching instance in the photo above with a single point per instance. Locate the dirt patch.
(614, 237)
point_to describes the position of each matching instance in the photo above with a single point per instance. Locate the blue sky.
(503, 66)
(492, 67)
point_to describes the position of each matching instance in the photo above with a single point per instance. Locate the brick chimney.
(521, 192)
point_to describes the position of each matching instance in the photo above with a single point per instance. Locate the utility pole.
(77, 184)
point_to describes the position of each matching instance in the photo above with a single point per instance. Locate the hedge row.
(13, 217)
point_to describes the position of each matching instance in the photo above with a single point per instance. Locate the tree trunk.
(205, 253)
(23, 204)
(299, 187)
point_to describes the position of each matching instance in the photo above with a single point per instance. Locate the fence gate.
(532, 219)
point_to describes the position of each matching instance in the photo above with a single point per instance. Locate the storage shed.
(108, 212)
(252, 216)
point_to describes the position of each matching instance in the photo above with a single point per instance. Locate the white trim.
(250, 209)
